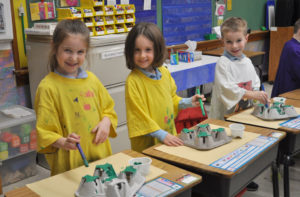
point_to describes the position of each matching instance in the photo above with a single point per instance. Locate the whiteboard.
(6, 32)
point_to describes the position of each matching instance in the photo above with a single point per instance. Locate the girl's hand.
(68, 143)
(172, 140)
(195, 99)
(102, 130)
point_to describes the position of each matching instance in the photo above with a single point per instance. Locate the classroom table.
(219, 182)
(288, 147)
(189, 75)
(173, 173)
(295, 94)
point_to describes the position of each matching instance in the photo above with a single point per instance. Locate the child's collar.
(156, 76)
(231, 57)
(82, 74)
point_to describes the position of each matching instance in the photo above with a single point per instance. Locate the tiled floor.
(264, 179)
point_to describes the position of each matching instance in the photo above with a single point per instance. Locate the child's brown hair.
(234, 24)
(151, 32)
(62, 30)
(297, 26)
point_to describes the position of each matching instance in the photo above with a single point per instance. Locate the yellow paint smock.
(64, 106)
(150, 105)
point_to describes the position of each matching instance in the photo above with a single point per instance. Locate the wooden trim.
(258, 35)
(14, 41)
(22, 76)
(213, 44)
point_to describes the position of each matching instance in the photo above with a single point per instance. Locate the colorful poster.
(2, 21)
(42, 11)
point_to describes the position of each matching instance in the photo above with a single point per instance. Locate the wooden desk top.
(173, 174)
(295, 94)
(293, 102)
(220, 51)
(202, 167)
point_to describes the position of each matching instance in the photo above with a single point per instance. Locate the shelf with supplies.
(100, 19)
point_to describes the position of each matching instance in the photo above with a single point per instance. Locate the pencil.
(263, 89)
(201, 103)
(82, 155)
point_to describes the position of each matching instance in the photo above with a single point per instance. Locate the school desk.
(295, 94)
(169, 172)
(218, 182)
(0, 186)
(189, 75)
(288, 147)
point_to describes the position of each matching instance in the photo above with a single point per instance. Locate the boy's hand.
(261, 96)
(102, 130)
(195, 99)
(172, 140)
(68, 143)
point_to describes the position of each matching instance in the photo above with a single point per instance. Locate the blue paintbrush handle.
(82, 155)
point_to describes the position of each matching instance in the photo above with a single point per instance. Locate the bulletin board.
(6, 32)
(184, 20)
(143, 15)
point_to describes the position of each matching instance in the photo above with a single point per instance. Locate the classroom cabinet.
(105, 59)
(278, 37)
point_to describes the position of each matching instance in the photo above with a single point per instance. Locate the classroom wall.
(10, 94)
(253, 11)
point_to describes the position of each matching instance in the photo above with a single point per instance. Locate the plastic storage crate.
(18, 168)
(18, 142)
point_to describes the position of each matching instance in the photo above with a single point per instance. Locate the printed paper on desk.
(65, 184)
(248, 118)
(208, 156)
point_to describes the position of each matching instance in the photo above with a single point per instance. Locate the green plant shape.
(203, 125)
(218, 130)
(108, 169)
(89, 178)
(185, 130)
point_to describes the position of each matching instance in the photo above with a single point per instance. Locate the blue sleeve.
(185, 103)
(159, 134)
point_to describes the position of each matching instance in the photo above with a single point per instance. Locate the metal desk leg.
(275, 167)
(286, 164)
(1, 186)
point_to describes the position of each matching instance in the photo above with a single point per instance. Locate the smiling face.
(235, 42)
(144, 53)
(71, 54)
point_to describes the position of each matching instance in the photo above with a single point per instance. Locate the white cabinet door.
(108, 63)
(118, 94)
(37, 58)
(121, 142)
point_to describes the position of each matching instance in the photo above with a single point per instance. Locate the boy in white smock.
(236, 82)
